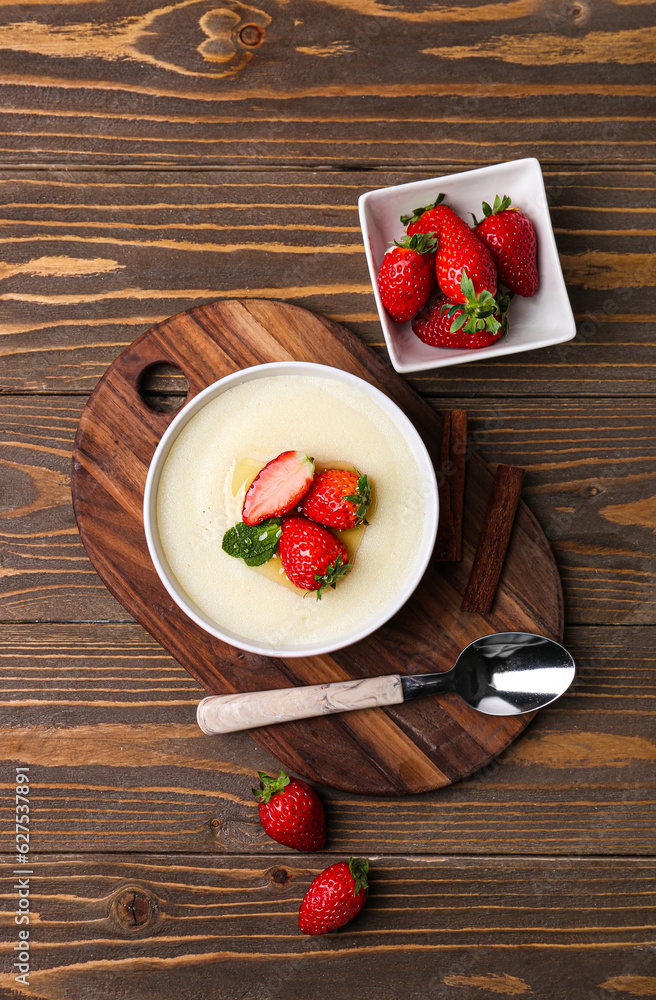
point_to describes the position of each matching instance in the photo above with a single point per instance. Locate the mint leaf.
(255, 544)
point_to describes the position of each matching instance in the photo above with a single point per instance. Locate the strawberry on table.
(311, 556)
(510, 237)
(442, 323)
(407, 276)
(278, 487)
(291, 812)
(427, 219)
(335, 897)
(338, 499)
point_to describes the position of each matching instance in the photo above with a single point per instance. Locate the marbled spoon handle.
(231, 713)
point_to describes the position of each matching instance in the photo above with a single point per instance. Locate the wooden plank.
(431, 927)
(105, 721)
(90, 260)
(331, 82)
(590, 480)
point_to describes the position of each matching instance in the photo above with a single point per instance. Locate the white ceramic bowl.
(541, 321)
(281, 368)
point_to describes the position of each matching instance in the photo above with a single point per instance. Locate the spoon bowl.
(511, 673)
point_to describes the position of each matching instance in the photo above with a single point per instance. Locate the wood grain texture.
(281, 123)
(410, 748)
(431, 926)
(90, 260)
(105, 720)
(590, 481)
(178, 84)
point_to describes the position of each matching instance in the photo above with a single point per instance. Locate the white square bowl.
(541, 321)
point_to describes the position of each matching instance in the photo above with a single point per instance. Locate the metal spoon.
(508, 673)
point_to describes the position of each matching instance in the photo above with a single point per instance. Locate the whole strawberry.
(407, 276)
(311, 556)
(335, 897)
(461, 254)
(510, 238)
(338, 499)
(427, 219)
(291, 812)
(442, 323)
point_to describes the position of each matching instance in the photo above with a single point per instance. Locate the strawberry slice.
(278, 487)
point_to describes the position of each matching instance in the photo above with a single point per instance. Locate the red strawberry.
(442, 323)
(335, 897)
(338, 499)
(278, 487)
(291, 812)
(428, 219)
(461, 254)
(312, 558)
(407, 276)
(510, 238)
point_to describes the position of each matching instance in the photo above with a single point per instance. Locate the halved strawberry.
(278, 487)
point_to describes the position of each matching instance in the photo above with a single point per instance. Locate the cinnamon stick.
(494, 539)
(451, 482)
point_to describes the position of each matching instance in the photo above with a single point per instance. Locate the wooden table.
(157, 158)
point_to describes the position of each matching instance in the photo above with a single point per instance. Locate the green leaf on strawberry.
(361, 497)
(488, 313)
(359, 868)
(500, 205)
(270, 786)
(459, 322)
(479, 312)
(418, 212)
(420, 243)
(255, 544)
(334, 572)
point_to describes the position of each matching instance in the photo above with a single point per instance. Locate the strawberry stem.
(270, 786)
(420, 243)
(334, 572)
(485, 312)
(418, 212)
(359, 869)
(362, 497)
(500, 205)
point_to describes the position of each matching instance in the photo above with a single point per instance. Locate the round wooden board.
(413, 747)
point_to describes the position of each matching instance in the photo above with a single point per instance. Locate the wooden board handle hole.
(163, 387)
